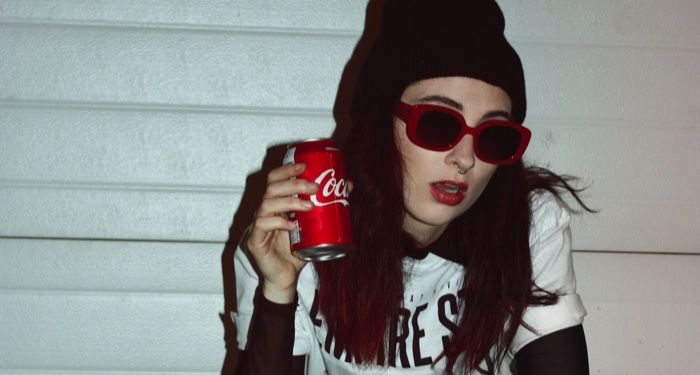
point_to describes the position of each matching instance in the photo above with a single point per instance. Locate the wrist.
(278, 294)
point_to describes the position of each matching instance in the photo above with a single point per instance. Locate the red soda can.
(324, 232)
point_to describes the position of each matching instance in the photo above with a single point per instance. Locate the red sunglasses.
(437, 128)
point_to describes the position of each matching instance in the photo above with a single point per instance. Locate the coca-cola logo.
(331, 191)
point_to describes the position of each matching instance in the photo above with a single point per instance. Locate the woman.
(462, 261)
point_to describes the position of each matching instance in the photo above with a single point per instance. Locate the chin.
(438, 216)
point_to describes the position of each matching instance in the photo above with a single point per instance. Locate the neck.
(424, 234)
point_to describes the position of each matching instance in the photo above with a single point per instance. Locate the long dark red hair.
(360, 295)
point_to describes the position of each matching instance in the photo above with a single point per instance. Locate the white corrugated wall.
(128, 130)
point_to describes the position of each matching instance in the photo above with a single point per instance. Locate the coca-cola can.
(324, 232)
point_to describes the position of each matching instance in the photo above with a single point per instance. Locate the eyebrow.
(458, 106)
(441, 99)
(494, 114)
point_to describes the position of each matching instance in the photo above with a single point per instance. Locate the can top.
(326, 144)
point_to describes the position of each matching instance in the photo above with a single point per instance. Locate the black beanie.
(420, 39)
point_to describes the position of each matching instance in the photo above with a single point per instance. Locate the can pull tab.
(295, 233)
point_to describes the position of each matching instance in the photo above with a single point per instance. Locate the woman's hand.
(268, 240)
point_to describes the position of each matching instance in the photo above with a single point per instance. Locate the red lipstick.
(447, 192)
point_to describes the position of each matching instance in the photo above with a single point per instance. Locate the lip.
(450, 199)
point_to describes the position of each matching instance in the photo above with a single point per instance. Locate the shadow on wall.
(256, 182)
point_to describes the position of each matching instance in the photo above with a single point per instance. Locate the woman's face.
(435, 193)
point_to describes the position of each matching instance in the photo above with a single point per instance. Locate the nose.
(462, 155)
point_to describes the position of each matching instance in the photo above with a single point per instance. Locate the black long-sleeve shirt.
(271, 338)
(428, 313)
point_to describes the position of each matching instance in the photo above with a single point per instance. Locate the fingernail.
(307, 205)
(312, 186)
(299, 166)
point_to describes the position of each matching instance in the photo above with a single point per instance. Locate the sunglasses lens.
(437, 130)
(499, 143)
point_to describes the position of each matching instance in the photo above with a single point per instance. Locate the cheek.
(419, 166)
(410, 153)
(411, 172)
(482, 176)
(403, 146)
(487, 172)
(401, 139)
(418, 171)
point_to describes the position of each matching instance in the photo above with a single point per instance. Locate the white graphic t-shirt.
(430, 305)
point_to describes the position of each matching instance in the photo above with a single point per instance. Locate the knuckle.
(291, 201)
(271, 177)
(259, 222)
(264, 224)
(269, 192)
(264, 208)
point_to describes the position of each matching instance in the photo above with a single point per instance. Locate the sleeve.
(561, 352)
(246, 286)
(270, 339)
(552, 270)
